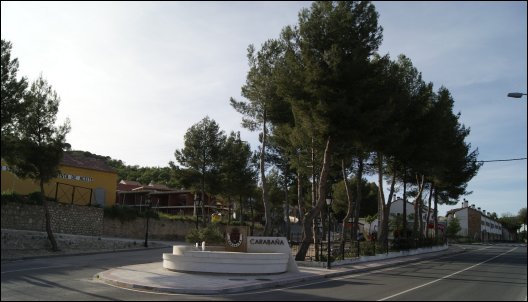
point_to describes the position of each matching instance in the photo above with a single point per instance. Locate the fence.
(356, 249)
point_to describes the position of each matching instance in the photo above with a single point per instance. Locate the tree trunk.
(384, 231)
(417, 203)
(435, 215)
(315, 234)
(359, 197)
(429, 210)
(404, 228)
(265, 199)
(286, 203)
(310, 215)
(350, 209)
(203, 191)
(47, 215)
(381, 194)
(300, 201)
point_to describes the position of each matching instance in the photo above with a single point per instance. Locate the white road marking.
(33, 268)
(440, 279)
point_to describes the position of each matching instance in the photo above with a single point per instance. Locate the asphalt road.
(483, 273)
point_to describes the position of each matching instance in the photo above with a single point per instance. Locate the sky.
(134, 76)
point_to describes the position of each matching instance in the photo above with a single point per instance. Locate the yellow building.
(83, 180)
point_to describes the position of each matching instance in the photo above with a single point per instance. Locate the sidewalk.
(153, 277)
(24, 244)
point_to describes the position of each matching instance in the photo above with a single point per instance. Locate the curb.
(207, 291)
(81, 253)
(318, 274)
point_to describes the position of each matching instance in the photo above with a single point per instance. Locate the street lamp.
(147, 202)
(329, 204)
(229, 214)
(516, 95)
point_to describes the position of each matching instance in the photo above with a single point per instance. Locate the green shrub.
(33, 198)
(367, 248)
(9, 196)
(177, 217)
(210, 234)
(121, 213)
(150, 213)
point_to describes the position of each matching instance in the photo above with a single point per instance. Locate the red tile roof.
(126, 187)
(79, 160)
(130, 182)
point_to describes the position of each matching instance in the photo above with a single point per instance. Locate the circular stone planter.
(190, 259)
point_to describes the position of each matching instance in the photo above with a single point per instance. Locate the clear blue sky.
(134, 76)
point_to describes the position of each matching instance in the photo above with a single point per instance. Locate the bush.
(33, 198)
(367, 248)
(210, 234)
(148, 213)
(121, 213)
(176, 217)
(9, 196)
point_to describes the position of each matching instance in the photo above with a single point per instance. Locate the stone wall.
(160, 229)
(69, 219)
(89, 221)
(19, 244)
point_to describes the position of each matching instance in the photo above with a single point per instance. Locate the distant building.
(127, 185)
(166, 200)
(83, 180)
(396, 209)
(476, 224)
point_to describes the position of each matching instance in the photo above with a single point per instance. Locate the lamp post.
(329, 204)
(229, 214)
(321, 233)
(516, 95)
(147, 202)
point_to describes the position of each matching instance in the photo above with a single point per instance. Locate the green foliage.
(12, 92)
(237, 173)
(127, 213)
(149, 213)
(122, 213)
(395, 222)
(202, 153)
(368, 248)
(523, 218)
(453, 227)
(33, 198)
(176, 217)
(369, 192)
(210, 234)
(511, 222)
(39, 145)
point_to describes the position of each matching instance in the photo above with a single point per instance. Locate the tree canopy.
(12, 92)
(344, 101)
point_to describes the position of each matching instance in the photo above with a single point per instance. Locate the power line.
(497, 160)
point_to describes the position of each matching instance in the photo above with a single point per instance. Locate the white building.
(475, 223)
(396, 209)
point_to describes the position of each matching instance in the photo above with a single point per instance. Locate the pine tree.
(40, 144)
(202, 153)
(12, 92)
